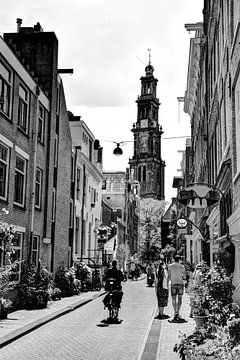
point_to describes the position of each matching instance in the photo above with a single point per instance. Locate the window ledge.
(22, 131)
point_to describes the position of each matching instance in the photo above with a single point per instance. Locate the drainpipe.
(74, 197)
(82, 213)
(34, 152)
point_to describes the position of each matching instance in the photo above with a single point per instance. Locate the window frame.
(78, 182)
(77, 228)
(53, 205)
(5, 86)
(41, 124)
(38, 184)
(55, 155)
(23, 109)
(71, 214)
(24, 176)
(35, 251)
(6, 164)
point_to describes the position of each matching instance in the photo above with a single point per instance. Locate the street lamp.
(118, 151)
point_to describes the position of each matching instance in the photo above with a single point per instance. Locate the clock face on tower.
(143, 141)
(144, 123)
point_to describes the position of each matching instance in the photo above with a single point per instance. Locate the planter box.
(36, 299)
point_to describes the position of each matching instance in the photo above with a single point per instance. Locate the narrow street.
(81, 335)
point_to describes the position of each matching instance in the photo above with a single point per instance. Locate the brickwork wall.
(63, 188)
(40, 52)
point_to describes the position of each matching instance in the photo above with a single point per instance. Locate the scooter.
(150, 279)
(112, 301)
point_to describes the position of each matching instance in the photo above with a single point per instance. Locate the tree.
(150, 214)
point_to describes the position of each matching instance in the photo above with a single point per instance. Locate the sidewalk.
(22, 322)
(164, 334)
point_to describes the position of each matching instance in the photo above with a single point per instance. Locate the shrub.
(64, 280)
(34, 285)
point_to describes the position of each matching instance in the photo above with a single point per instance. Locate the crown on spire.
(149, 56)
(149, 69)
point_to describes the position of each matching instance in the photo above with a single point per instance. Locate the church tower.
(146, 163)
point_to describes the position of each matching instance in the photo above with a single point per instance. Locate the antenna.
(149, 57)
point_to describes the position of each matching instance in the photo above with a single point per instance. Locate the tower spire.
(149, 56)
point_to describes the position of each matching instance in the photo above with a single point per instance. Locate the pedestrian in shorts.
(176, 275)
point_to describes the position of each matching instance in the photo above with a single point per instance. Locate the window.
(5, 89)
(89, 238)
(77, 235)
(23, 109)
(56, 151)
(78, 183)
(41, 123)
(71, 214)
(4, 166)
(83, 242)
(38, 188)
(72, 168)
(93, 197)
(104, 185)
(53, 204)
(20, 179)
(90, 149)
(35, 250)
(58, 100)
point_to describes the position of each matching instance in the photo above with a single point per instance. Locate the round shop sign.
(182, 223)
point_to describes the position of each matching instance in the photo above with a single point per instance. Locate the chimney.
(19, 23)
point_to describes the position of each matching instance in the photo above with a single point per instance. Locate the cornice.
(193, 75)
(90, 167)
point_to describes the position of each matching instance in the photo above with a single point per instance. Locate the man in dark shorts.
(176, 274)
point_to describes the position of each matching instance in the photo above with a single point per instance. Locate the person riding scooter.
(113, 278)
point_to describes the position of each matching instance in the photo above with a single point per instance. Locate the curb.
(14, 335)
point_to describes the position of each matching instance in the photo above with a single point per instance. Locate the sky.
(106, 43)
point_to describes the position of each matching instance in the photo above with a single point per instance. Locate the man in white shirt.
(176, 274)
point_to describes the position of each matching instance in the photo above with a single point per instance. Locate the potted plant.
(64, 280)
(5, 302)
(200, 303)
(5, 305)
(33, 289)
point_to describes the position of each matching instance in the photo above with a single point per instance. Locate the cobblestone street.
(79, 334)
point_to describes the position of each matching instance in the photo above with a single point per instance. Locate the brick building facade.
(35, 144)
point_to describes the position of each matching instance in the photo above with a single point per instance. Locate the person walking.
(161, 287)
(176, 275)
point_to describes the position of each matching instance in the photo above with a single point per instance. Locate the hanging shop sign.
(198, 196)
(182, 223)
